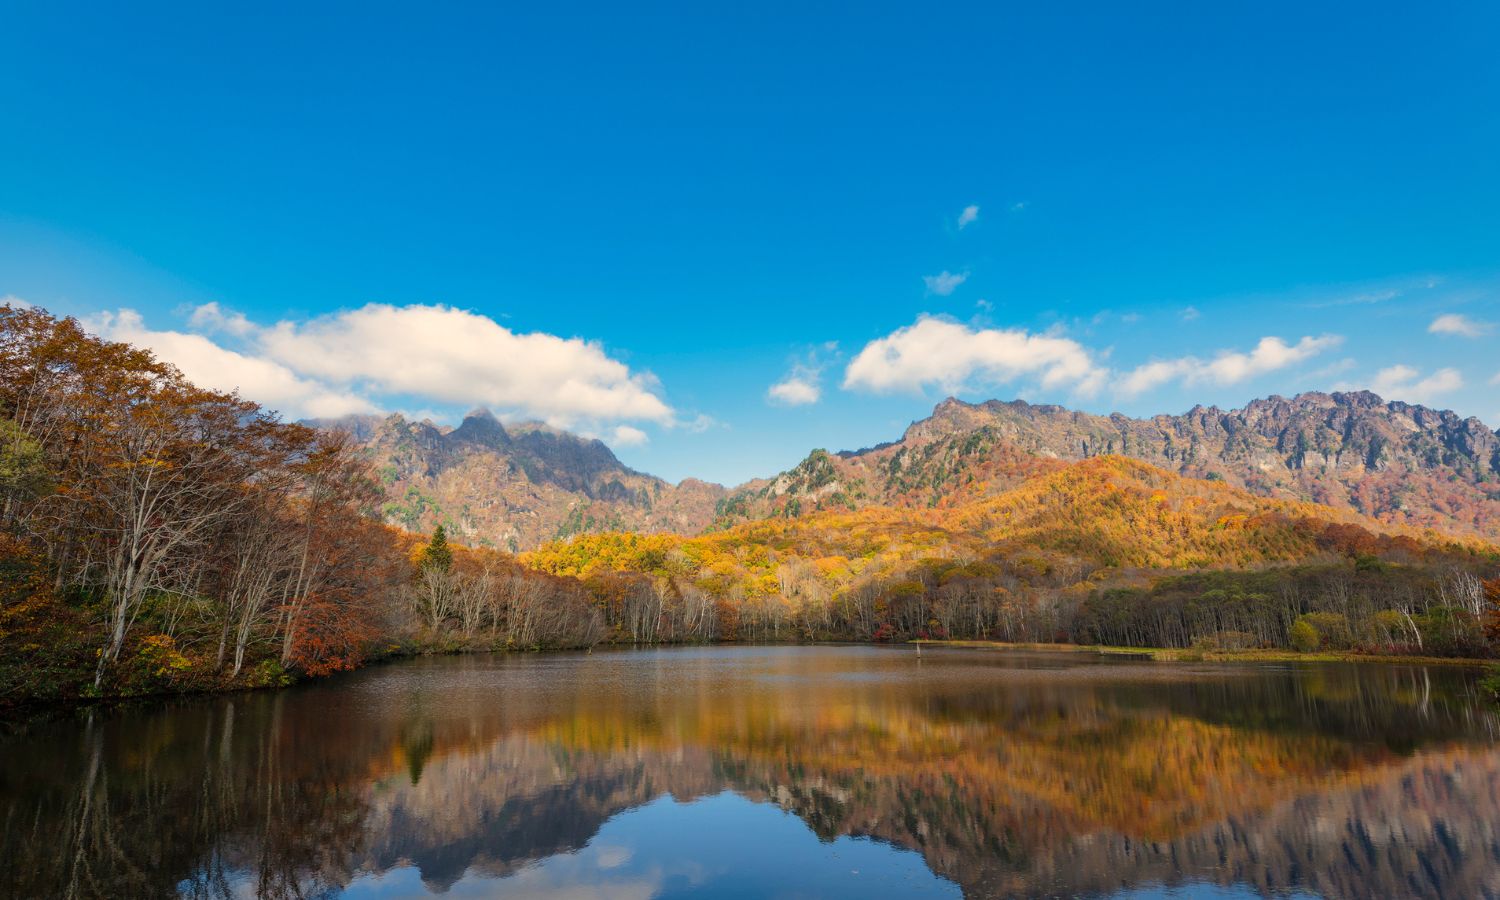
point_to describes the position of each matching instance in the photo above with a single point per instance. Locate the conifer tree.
(438, 555)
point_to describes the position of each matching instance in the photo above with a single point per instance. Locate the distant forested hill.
(1093, 551)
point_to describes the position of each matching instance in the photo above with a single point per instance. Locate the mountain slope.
(516, 487)
(1095, 518)
(1075, 554)
(1396, 462)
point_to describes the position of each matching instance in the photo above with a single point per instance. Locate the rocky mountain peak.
(481, 427)
(1402, 463)
(516, 486)
(524, 483)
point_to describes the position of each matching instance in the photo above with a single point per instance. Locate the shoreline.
(26, 709)
(1187, 654)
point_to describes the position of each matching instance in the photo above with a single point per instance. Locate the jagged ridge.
(516, 487)
(1399, 463)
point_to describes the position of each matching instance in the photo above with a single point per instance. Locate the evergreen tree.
(438, 555)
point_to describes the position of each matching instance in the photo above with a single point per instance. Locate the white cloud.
(1154, 374)
(13, 300)
(208, 365)
(1018, 206)
(1495, 379)
(628, 436)
(944, 283)
(984, 304)
(1463, 326)
(1229, 367)
(455, 356)
(1358, 299)
(699, 423)
(967, 217)
(382, 356)
(803, 383)
(794, 390)
(210, 317)
(1404, 383)
(1334, 368)
(950, 355)
(1270, 354)
(1190, 313)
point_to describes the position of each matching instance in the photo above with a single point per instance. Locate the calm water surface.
(772, 772)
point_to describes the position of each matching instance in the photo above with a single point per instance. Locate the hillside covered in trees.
(155, 537)
(1399, 463)
(518, 486)
(1108, 550)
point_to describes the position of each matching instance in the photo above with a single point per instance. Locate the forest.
(158, 537)
(1310, 585)
(1105, 551)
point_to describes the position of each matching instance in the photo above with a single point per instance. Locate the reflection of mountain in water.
(518, 801)
(1426, 828)
(1416, 827)
(1073, 780)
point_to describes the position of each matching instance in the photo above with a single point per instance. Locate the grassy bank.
(1174, 654)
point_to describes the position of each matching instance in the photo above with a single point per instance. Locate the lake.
(835, 771)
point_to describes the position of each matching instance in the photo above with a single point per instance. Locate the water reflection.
(752, 771)
(668, 848)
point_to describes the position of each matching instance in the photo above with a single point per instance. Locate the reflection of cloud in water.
(540, 882)
(612, 857)
(668, 847)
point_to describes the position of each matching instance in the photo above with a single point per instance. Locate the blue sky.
(635, 221)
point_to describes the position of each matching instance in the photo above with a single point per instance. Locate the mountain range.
(518, 486)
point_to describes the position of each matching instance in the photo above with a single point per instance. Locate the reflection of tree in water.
(1059, 782)
(417, 743)
(183, 800)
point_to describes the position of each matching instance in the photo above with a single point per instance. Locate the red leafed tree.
(1492, 613)
(348, 565)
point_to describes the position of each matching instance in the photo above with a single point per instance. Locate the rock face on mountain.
(1397, 462)
(518, 486)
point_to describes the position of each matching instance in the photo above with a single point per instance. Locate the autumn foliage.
(1084, 552)
(156, 536)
